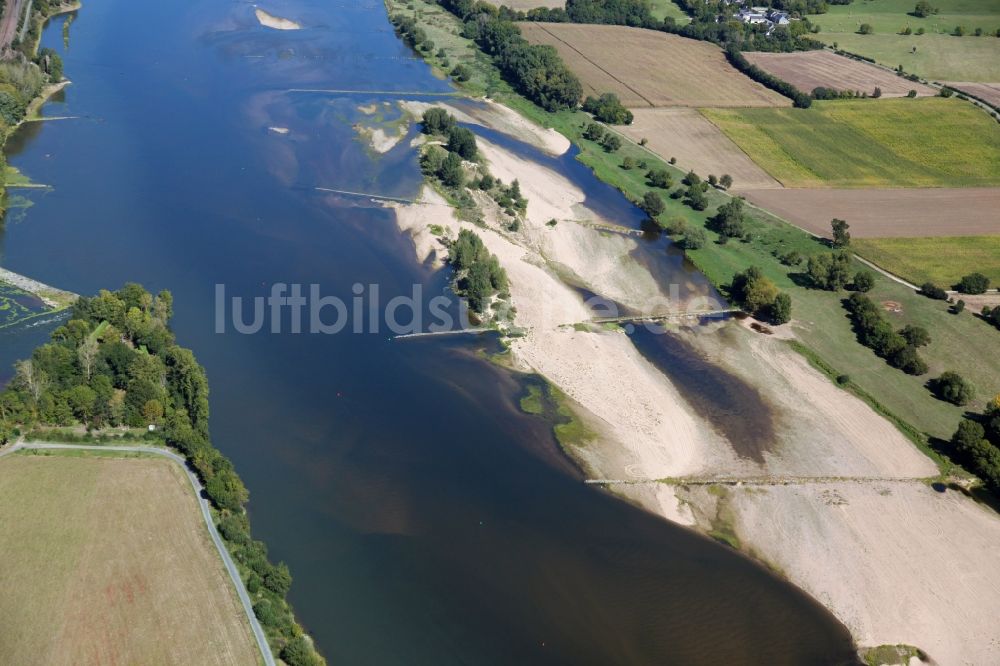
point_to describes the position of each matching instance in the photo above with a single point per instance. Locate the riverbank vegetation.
(537, 72)
(116, 364)
(821, 324)
(453, 163)
(977, 443)
(24, 76)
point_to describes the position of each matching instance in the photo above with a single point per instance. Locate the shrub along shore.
(115, 366)
(27, 77)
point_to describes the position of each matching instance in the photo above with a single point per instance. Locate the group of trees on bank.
(116, 363)
(976, 444)
(537, 72)
(22, 80)
(608, 140)
(448, 164)
(729, 220)
(757, 295)
(874, 331)
(479, 272)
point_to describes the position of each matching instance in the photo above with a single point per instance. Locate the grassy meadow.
(942, 261)
(108, 561)
(661, 9)
(937, 58)
(926, 142)
(893, 16)
(939, 55)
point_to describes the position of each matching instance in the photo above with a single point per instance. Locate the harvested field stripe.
(888, 213)
(649, 67)
(568, 45)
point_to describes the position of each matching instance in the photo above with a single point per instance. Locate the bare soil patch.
(887, 213)
(697, 144)
(107, 561)
(650, 68)
(989, 92)
(807, 70)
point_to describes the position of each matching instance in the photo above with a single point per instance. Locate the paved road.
(234, 573)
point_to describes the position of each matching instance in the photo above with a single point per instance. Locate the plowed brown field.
(697, 144)
(650, 68)
(888, 213)
(986, 91)
(807, 70)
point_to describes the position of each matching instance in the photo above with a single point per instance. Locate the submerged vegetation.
(543, 399)
(115, 365)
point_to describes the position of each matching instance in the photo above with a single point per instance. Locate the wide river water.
(426, 520)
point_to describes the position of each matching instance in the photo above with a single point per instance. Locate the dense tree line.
(537, 72)
(976, 443)
(480, 274)
(710, 21)
(899, 348)
(799, 98)
(116, 363)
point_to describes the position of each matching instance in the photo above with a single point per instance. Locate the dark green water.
(425, 519)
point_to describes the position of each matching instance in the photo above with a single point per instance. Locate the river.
(426, 520)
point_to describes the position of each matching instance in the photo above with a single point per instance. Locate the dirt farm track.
(650, 68)
(807, 70)
(888, 213)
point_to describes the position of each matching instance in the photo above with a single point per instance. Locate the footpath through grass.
(819, 318)
(925, 142)
(942, 261)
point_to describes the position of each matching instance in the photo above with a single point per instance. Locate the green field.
(927, 142)
(892, 16)
(939, 55)
(937, 58)
(942, 261)
(661, 9)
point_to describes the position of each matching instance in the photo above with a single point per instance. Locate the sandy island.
(275, 22)
(894, 560)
